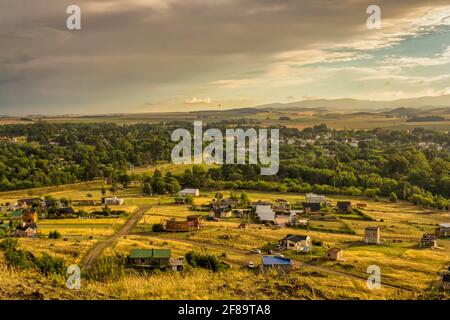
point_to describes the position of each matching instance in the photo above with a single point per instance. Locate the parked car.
(279, 255)
(216, 219)
(256, 251)
(251, 265)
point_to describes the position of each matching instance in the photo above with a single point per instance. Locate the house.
(30, 217)
(189, 192)
(311, 207)
(344, 206)
(13, 206)
(281, 206)
(446, 282)
(276, 263)
(334, 254)
(428, 241)
(254, 204)
(25, 231)
(114, 201)
(177, 264)
(84, 202)
(149, 258)
(192, 223)
(16, 215)
(443, 230)
(265, 213)
(314, 198)
(223, 213)
(30, 201)
(4, 227)
(372, 235)
(296, 242)
(64, 212)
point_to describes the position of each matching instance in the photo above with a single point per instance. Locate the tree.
(124, 179)
(393, 197)
(147, 189)
(370, 193)
(103, 190)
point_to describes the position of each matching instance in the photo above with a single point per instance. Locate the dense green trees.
(413, 165)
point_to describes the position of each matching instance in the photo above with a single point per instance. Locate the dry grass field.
(406, 269)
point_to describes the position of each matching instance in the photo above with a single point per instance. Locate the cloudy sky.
(170, 55)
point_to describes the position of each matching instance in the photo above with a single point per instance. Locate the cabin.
(443, 231)
(334, 254)
(344, 207)
(265, 214)
(296, 242)
(30, 201)
(25, 231)
(16, 215)
(84, 202)
(281, 206)
(149, 258)
(280, 264)
(192, 223)
(30, 217)
(372, 235)
(223, 213)
(64, 212)
(177, 264)
(428, 241)
(114, 201)
(311, 207)
(189, 192)
(315, 198)
(254, 204)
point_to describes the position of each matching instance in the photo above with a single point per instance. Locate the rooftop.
(295, 238)
(271, 260)
(150, 253)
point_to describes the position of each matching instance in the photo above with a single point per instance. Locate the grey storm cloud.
(140, 48)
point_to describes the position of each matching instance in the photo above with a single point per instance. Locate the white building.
(114, 201)
(189, 192)
(265, 213)
(315, 198)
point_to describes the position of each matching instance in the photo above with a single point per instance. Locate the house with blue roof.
(276, 263)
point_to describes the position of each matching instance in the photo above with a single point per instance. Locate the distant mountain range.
(361, 105)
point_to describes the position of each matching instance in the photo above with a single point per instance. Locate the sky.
(178, 55)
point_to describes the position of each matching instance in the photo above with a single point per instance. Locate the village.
(300, 223)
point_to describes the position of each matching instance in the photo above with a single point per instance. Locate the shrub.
(108, 268)
(393, 197)
(47, 265)
(206, 261)
(54, 235)
(157, 227)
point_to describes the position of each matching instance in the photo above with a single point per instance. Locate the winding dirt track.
(298, 263)
(100, 246)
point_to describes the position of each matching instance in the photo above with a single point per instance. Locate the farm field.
(407, 270)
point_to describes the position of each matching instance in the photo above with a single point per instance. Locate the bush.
(54, 235)
(158, 227)
(206, 261)
(47, 265)
(393, 197)
(108, 268)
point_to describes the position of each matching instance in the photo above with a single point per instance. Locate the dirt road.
(100, 246)
(298, 263)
